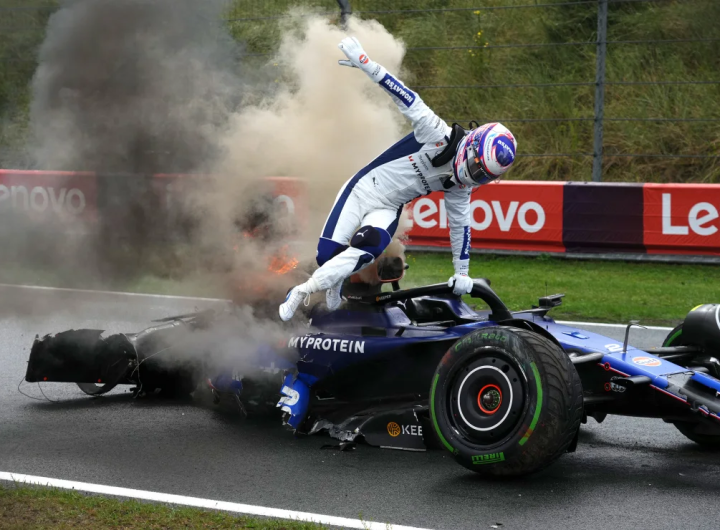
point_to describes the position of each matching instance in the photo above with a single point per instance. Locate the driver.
(434, 157)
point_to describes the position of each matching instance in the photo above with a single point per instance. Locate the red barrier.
(523, 216)
(681, 218)
(505, 216)
(49, 196)
(289, 193)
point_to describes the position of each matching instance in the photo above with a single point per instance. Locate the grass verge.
(607, 291)
(655, 293)
(35, 508)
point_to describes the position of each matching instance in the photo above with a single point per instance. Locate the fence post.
(600, 90)
(345, 11)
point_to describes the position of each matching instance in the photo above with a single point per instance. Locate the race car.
(504, 391)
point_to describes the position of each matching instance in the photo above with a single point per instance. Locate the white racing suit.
(367, 209)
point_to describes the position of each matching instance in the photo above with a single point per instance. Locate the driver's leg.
(341, 224)
(367, 243)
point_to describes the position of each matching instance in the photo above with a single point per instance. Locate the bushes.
(649, 62)
(473, 64)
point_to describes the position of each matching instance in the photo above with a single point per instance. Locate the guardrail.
(581, 218)
(563, 218)
(88, 202)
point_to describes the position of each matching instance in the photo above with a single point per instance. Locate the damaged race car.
(504, 391)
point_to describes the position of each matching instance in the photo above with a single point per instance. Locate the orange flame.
(282, 262)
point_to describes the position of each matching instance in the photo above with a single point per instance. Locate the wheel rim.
(490, 399)
(94, 389)
(487, 398)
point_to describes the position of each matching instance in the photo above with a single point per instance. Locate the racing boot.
(295, 297)
(332, 296)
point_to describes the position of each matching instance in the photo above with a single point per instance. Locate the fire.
(261, 286)
(282, 261)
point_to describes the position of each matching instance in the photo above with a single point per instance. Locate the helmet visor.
(475, 167)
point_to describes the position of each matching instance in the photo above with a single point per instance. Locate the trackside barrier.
(59, 201)
(527, 216)
(289, 194)
(48, 197)
(681, 219)
(580, 218)
(509, 216)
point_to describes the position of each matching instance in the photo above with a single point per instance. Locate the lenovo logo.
(42, 199)
(699, 218)
(527, 216)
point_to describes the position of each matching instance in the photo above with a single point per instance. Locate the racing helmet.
(484, 154)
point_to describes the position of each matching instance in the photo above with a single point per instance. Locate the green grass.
(470, 63)
(655, 293)
(604, 291)
(23, 508)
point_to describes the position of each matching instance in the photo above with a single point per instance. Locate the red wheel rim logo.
(495, 393)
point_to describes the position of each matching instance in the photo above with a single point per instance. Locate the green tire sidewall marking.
(434, 418)
(538, 406)
(492, 458)
(672, 338)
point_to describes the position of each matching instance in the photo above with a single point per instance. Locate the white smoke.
(324, 122)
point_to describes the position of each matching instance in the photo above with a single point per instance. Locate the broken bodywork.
(374, 369)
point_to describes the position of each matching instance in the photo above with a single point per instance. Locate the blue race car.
(505, 392)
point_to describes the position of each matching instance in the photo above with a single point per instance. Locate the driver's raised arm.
(427, 125)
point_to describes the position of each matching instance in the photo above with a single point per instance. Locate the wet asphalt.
(627, 472)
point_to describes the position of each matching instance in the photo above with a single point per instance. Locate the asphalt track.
(627, 472)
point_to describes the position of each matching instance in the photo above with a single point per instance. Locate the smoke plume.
(325, 121)
(134, 86)
(321, 124)
(142, 87)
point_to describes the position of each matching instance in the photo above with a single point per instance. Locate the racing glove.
(358, 58)
(460, 281)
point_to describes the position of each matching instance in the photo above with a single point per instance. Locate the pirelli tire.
(675, 337)
(702, 432)
(506, 401)
(93, 389)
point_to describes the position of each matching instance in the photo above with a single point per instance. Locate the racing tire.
(698, 432)
(674, 338)
(506, 401)
(93, 389)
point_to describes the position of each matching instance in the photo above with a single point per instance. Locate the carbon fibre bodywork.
(373, 344)
(364, 370)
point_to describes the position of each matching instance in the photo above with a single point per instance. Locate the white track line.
(120, 293)
(246, 509)
(604, 325)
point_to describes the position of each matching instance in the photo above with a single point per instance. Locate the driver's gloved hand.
(358, 58)
(460, 281)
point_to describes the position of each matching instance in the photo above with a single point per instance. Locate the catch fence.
(622, 90)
